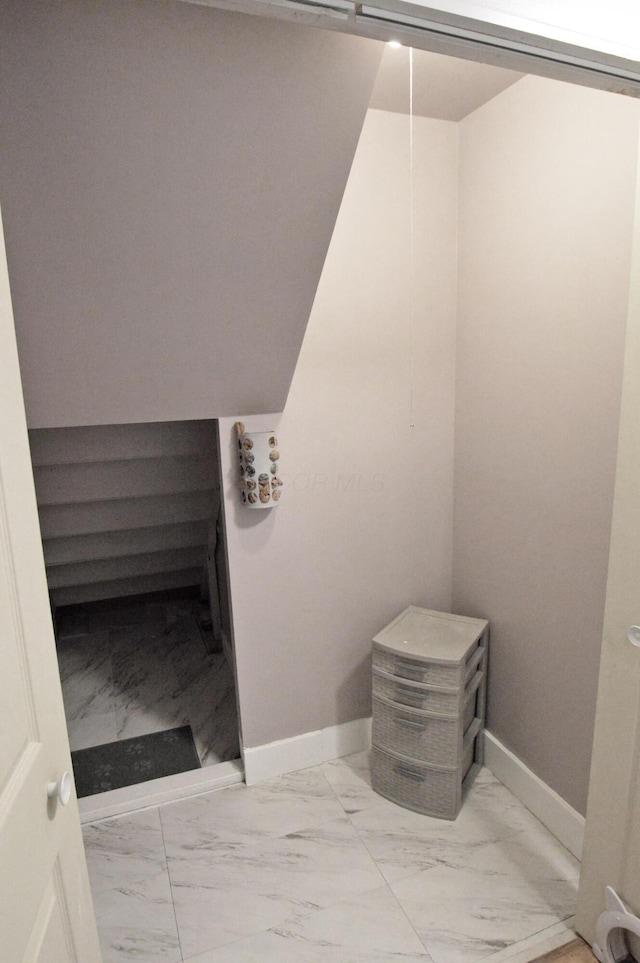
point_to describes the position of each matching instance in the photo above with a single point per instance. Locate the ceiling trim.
(442, 31)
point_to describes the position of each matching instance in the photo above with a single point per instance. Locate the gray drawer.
(425, 789)
(432, 738)
(444, 701)
(429, 672)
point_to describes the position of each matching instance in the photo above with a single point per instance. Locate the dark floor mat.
(132, 761)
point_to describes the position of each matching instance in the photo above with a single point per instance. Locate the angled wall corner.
(363, 528)
(171, 180)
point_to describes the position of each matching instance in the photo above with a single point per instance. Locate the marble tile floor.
(314, 867)
(144, 667)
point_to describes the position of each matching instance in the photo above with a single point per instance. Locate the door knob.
(634, 635)
(61, 789)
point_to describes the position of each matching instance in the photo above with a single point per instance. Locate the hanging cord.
(411, 240)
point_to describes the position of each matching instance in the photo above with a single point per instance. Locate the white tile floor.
(140, 668)
(314, 867)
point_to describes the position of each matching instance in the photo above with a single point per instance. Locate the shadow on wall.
(358, 680)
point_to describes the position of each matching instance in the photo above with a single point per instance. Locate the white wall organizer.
(259, 457)
(429, 694)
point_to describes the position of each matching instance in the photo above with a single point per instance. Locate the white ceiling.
(446, 88)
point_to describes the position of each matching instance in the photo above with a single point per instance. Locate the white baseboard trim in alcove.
(308, 749)
(314, 748)
(130, 799)
(558, 816)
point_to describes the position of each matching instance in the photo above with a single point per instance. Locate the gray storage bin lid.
(437, 636)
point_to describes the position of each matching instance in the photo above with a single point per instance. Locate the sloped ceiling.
(446, 88)
(171, 178)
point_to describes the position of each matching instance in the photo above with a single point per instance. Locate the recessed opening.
(134, 552)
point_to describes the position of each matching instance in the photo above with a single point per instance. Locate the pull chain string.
(411, 240)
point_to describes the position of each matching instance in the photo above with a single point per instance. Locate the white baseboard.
(314, 748)
(309, 749)
(565, 823)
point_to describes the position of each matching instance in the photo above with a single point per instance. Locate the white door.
(612, 839)
(46, 915)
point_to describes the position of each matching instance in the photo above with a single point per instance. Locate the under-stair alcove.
(463, 286)
(178, 268)
(133, 542)
(204, 220)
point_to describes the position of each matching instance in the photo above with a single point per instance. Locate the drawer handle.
(410, 724)
(411, 693)
(410, 667)
(409, 773)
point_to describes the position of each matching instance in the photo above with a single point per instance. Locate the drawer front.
(434, 792)
(426, 738)
(437, 699)
(415, 695)
(422, 735)
(429, 673)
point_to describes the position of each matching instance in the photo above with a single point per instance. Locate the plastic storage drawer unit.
(429, 696)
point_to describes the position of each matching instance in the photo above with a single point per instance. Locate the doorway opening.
(134, 550)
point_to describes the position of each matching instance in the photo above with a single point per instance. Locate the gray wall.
(540, 235)
(170, 180)
(363, 528)
(130, 308)
(124, 508)
(546, 199)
